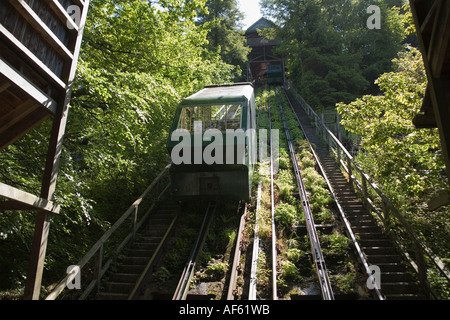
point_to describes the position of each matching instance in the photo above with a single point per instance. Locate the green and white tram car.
(212, 143)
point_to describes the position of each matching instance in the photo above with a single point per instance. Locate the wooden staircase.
(120, 282)
(378, 248)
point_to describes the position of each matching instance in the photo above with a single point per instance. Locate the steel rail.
(350, 232)
(232, 287)
(188, 272)
(272, 201)
(252, 291)
(319, 260)
(256, 249)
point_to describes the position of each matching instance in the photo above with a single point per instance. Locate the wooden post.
(39, 245)
(421, 265)
(386, 215)
(133, 222)
(322, 126)
(364, 190)
(98, 266)
(349, 170)
(338, 150)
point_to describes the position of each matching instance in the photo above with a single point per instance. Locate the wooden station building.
(262, 53)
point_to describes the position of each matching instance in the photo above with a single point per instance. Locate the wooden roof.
(433, 26)
(254, 39)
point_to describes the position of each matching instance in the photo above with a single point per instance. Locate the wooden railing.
(102, 250)
(393, 222)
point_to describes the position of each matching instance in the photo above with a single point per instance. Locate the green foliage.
(398, 155)
(405, 162)
(162, 275)
(284, 182)
(289, 271)
(214, 271)
(331, 54)
(293, 254)
(335, 244)
(225, 35)
(285, 215)
(345, 281)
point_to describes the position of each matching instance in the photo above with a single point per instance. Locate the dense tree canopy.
(401, 155)
(331, 54)
(225, 33)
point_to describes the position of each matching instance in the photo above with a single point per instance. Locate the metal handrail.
(96, 251)
(349, 164)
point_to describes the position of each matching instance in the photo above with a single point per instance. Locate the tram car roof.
(215, 94)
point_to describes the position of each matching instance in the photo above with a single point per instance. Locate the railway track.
(319, 260)
(317, 256)
(265, 247)
(135, 276)
(372, 246)
(185, 281)
(190, 288)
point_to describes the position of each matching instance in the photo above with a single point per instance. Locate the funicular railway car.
(274, 74)
(212, 143)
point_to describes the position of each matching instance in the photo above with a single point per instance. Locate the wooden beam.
(37, 64)
(38, 251)
(20, 128)
(425, 23)
(435, 84)
(33, 19)
(17, 79)
(28, 199)
(82, 3)
(39, 245)
(442, 115)
(440, 35)
(20, 112)
(4, 86)
(62, 14)
(14, 206)
(442, 200)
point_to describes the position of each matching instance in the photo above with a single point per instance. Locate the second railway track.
(301, 229)
(316, 250)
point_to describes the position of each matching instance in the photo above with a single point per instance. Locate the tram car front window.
(222, 117)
